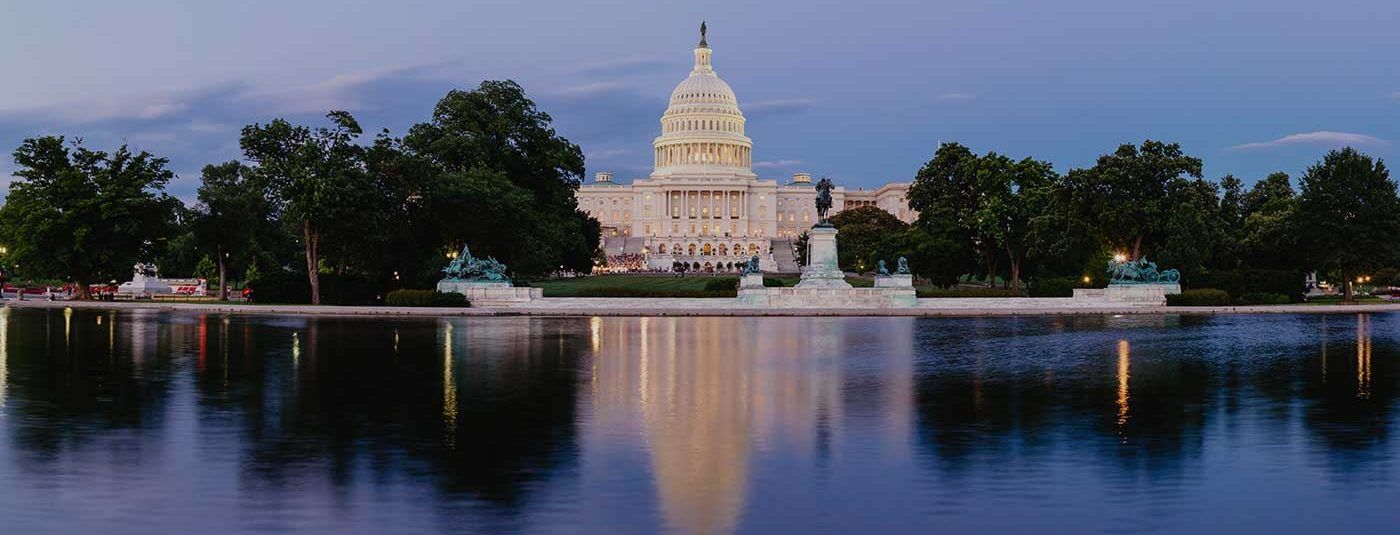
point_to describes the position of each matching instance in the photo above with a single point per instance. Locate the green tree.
(205, 269)
(231, 214)
(1191, 232)
(316, 180)
(1010, 194)
(87, 215)
(505, 180)
(1267, 239)
(1129, 193)
(861, 231)
(1231, 216)
(1348, 216)
(1065, 234)
(945, 193)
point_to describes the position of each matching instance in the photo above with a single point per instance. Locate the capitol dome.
(702, 131)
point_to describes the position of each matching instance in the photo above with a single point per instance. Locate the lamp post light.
(1120, 258)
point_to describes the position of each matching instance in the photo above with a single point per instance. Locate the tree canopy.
(1348, 216)
(85, 215)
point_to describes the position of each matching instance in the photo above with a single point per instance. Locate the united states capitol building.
(703, 205)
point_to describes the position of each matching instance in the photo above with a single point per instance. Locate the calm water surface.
(146, 422)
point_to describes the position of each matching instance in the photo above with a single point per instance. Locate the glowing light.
(595, 328)
(1120, 258)
(1088, 279)
(449, 390)
(1123, 362)
(4, 355)
(1363, 357)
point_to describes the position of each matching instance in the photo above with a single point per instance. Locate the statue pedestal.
(897, 280)
(822, 270)
(824, 286)
(144, 286)
(484, 293)
(1130, 294)
(752, 280)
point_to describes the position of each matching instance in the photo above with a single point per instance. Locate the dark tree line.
(315, 211)
(993, 218)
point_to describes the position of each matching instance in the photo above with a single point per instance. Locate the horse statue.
(881, 269)
(1140, 271)
(824, 202)
(466, 267)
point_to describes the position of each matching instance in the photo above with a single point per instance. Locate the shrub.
(1053, 287)
(424, 298)
(1250, 281)
(1263, 298)
(771, 282)
(722, 284)
(1200, 297)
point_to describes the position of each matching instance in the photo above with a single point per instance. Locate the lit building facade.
(703, 205)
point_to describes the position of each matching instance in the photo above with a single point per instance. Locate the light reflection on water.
(174, 423)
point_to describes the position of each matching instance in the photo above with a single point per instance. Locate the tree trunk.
(223, 287)
(1015, 273)
(312, 274)
(991, 270)
(1137, 247)
(82, 293)
(1347, 297)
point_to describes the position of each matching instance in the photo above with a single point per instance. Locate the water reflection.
(158, 422)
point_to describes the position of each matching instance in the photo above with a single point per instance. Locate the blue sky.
(860, 91)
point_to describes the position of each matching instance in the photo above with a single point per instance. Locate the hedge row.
(1199, 297)
(1245, 283)
(1054, 287)
(424, 298)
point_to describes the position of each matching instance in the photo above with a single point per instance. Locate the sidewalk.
(598, 306)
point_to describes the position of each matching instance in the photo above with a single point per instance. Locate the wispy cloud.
(776, 164)
(779, 105)
(624, 67)
(1323, 138)
(339, 92)
(590, 89)
(953, 96)
(605, 154)
(107, 107)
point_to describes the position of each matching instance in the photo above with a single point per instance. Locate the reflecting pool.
(155, 422)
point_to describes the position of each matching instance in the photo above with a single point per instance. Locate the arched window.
(738, 249)
(707, 250)
(753, 248)
(661, 249)
(691, 251)
(723, 250)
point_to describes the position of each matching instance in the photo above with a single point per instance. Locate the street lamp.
(1120, 258)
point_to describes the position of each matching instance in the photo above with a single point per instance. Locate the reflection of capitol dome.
(703, 129)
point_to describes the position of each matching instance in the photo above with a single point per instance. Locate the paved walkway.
(598, 306)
